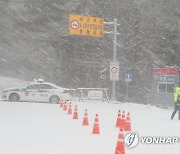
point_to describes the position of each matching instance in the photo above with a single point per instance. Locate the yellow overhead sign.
(85, 25)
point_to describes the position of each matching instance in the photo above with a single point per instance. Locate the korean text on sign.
(85, 25)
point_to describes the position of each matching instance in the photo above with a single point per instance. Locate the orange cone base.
(96, 129)
(61, 103)
(118, 122)
(85, 122)
(65, 107)
(123, 123)
(128, 126)
(69, 111)
(75, 116)
(120, 148)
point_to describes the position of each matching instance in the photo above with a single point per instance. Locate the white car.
(36, 92)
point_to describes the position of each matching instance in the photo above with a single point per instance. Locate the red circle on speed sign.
(74, 24)
(114, 70)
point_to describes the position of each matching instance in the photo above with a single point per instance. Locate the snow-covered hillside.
(38, 128)
(35, 42)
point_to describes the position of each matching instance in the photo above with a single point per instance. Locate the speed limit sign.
(114, 71)
(102, 76)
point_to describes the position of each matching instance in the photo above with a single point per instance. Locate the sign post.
(128, 78)
(114, 69)
(114, 76)
(93, 26)
(113, 97)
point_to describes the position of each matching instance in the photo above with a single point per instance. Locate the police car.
(38, 91)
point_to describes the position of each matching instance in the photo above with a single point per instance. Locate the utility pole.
(113, 98)
(113, 95)
(127, 91)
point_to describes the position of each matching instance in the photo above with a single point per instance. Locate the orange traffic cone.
(96, 126)
(61, 103)
(70, 109)
(75, 115)
(128, 123)
(85, 120)
(118, 122)
(122, 126)
(65, 107)
(120, 148)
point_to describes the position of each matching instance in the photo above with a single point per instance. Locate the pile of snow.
(37, 128)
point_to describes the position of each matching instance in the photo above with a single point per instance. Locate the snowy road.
(37, 128)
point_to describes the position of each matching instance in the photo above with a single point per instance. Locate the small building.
(164, 82)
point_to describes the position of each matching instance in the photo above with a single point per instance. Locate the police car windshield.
(33, 86)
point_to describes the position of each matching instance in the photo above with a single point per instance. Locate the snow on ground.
(39, 128)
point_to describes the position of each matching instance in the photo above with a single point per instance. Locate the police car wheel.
(54, 99)
(14, 97)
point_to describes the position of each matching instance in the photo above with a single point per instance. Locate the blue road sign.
(128, 77)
